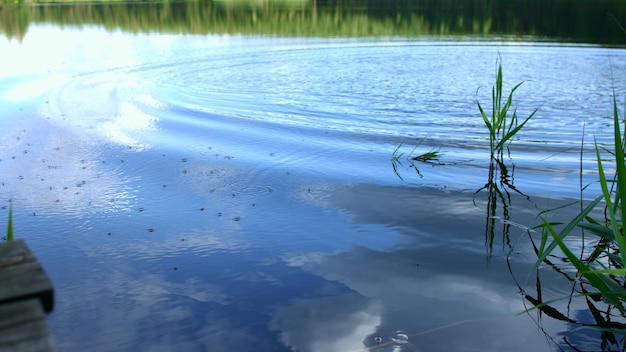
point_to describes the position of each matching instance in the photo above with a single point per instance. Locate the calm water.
(235, 193)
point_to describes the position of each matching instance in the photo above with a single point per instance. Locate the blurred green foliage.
(586, 21)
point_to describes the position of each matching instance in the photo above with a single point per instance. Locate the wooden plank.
(22, 276)
(23, 327)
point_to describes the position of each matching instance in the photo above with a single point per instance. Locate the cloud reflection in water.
(430, 285)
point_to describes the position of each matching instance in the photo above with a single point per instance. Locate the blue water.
(235, 193)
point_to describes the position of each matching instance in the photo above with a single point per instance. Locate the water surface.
(235, 193)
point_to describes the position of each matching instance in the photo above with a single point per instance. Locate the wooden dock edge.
(26, 295)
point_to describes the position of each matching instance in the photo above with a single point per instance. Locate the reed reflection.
(592, 324)
(499, 186)
(430, 157)
(558, 294)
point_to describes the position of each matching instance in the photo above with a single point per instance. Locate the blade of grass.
(10, 224)
(621, 181)
(607, 194)
(609, 288)
(620, 271)
(542, 255)
(514, 131)
(501, 125)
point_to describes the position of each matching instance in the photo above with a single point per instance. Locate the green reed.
(503, 124)
(601, 273)
(10, 224)
(430, 157)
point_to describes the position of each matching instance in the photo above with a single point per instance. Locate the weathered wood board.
(26, 294)
(22, 277)
(23, 327)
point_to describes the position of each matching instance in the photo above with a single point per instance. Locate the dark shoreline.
(593, 22)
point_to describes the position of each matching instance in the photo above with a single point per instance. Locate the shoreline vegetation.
(593, 260)
(569, 21)
(598, 260)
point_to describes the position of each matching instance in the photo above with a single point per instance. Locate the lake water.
(230, 192)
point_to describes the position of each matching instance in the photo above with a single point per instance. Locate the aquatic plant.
(601, 273)
(10, 224)
(499, 188)
(9, 235)
(430, 157)
(502, 124)
(599, 324)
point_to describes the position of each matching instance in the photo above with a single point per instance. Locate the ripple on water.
(271, 165)
(342, 106)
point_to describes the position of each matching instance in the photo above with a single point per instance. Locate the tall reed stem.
(501, 124)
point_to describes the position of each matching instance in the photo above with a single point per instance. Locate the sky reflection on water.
(222, 193)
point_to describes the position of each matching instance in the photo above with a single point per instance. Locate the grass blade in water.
(10, 224)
